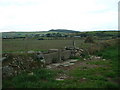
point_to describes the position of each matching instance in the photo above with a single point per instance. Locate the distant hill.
(63, 31)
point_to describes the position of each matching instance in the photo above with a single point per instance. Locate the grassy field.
(18, 45)
(15, 45)
(105, 74)
(85, 74)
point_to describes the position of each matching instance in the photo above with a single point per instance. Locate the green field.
(15, 45)
(18, 45)
(104, 75)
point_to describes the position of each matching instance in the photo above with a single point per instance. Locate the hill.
(63, 31)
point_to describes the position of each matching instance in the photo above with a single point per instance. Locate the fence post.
(59, 55)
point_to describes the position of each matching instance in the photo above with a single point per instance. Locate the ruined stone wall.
(15, 64)
(51, 57)
(66, 54)
(57, 56)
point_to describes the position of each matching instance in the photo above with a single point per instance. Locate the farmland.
(97, 68)
(22, 45)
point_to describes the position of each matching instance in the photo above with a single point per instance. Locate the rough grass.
(18, 45)
(40, 78)
(112, 54)
(25, 45)
(104, 76)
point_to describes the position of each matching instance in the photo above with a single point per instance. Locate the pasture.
(16, 45)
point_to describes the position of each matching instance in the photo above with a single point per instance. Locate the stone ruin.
(13, 65)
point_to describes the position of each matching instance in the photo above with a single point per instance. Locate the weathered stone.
(30, 74)
(84, 78)
(81, 50)
(52, 50)
(43, 61)
(77, 54)
(31, 51)
(20, 63)
(57, 64)
(71, 64)
(65, 65)
(71, 61)
(39, 55)
(7, 71)
(84, 59)
(3, 58)
(48, 66)
(59, 79)
(104, 59)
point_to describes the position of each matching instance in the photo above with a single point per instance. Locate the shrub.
(89, 40)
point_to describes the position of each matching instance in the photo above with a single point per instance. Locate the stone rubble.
(30, 74)
(17, 64)
(14, 64)
(63, 64)
(61, 77)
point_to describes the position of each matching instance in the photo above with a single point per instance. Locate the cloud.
(47, 14)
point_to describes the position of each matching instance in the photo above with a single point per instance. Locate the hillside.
(63, 30)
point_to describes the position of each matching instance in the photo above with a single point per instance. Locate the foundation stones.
(15, 64)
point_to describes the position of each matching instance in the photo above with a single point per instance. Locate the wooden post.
(73, 46)
(73, 43)
(59, 55)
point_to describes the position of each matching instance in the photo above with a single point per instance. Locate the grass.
(41, 78)
(103, 76)
(112, 54)
(22, 45)
(99, 62)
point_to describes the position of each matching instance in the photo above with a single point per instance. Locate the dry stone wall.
(14, 64)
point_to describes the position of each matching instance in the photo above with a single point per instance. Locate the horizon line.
(66, 29)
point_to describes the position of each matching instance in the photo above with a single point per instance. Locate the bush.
(89, 40)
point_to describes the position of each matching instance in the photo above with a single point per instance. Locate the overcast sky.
(43, 15)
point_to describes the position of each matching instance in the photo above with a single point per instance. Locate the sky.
(43, 15)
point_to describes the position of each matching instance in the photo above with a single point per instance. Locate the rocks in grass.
(31, 51)
(43, 61)
(31, 73)
(39, 55)
(84, 78)
(73, 61)
(84, 59)
(17, 64)
(7, 71)
(52, 50)
(61, 77)
(104, 59)
(95, 58)
(48, 67)
(57, 64)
